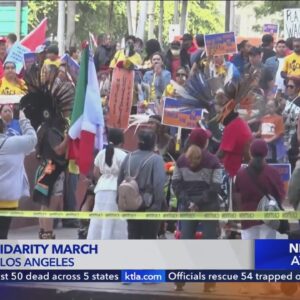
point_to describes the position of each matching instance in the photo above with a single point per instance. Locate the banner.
(120, 98)
(10, 99)
(272, 29)
(73, 66)
(220, 44)
(178, 114)
(291, 23)
(16, 55)
(30, 58)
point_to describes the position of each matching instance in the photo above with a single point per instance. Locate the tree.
(93, 16)
(270, 7)
(183, 16)
(203, 17)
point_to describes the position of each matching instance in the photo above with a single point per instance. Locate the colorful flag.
(36, 37)
(87, 122)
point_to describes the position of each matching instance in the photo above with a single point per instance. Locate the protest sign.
(291, 23)
(120, 98)
(10, 99)
(16, 55)
(220, 43)
(177, 113)
(272, 29)
(174, 30)
(72, 65)
(30, 58)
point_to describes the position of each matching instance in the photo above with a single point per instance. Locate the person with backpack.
(141, 186)
(107, 167)
(252, 184)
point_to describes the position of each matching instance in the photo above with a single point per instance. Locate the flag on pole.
(87, 122)
(36, 37)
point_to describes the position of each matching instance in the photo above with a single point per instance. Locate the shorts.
(58, 188)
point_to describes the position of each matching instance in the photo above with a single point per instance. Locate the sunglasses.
(181, 75)
(290, 86)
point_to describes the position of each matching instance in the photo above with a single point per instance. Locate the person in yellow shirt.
(10, 84)
(128, 57)
(52, 56)
(291, 65)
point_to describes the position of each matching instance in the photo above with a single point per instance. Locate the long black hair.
(115, 138)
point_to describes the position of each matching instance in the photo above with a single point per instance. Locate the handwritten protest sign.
(220, 43)
(30, 58)
(178, 114)
(73, 66)
(120, 98)
(272, 29)
(16, 55)
(292, 23)
(10, 99)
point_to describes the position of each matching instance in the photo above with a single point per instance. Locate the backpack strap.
(141, 166)
(3, 142)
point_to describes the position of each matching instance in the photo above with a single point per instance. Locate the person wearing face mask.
(176, 57)
(127, 57)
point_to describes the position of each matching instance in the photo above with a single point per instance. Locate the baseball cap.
(259, 148)
(187, 37)
(199, 137)
(2, 39)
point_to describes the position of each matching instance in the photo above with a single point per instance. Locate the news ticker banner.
(239, 215)
(148, 276)
(150, 261)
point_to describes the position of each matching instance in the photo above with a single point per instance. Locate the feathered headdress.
(50, 94)
(236, 93)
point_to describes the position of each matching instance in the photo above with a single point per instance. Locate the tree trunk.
(183, 16)
(134, 5)
(70, 40)
(160, 25)
(151, 11)
(61, 27)
(140, 32)
(110, 14)
(129, 17)
(176, 12)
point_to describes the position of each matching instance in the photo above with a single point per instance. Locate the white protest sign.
(10, 99)
(291, 22)
(16, 55)
(174, 30)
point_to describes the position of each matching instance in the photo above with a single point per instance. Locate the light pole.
(61, 27)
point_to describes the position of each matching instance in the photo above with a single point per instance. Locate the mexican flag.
(87, 122)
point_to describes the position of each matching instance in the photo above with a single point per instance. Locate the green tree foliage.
(270, 7)
(203, 17)
(93, 16)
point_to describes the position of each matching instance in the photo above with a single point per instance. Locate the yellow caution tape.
(247, 215)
